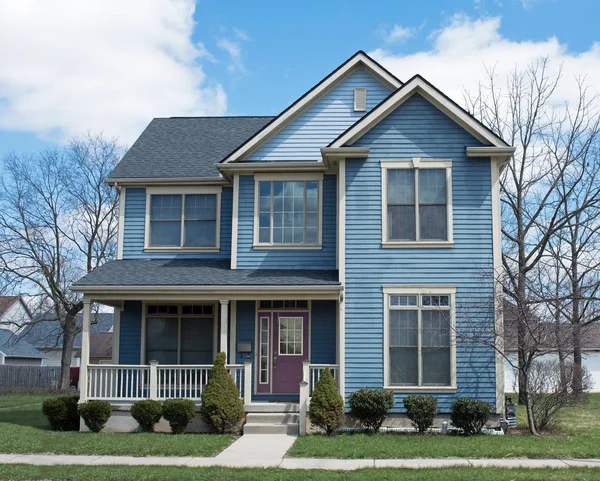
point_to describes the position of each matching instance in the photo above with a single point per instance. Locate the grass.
(160, 473)
(578, 436)
(24, 429)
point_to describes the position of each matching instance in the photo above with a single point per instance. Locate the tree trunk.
(67, 351)
(577, 360)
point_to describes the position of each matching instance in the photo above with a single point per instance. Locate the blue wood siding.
(418, 129)
(249, 258)
(323, 321)
(323, 121)
(134, 225)
(130, 336)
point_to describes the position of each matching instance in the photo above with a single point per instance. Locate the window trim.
(390, 290)
(150, 191)
(284, 177)
(415, 163)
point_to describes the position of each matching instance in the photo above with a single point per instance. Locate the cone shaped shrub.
(147, 413)
(62, 413)
(179, 413)
(326, 405)
(95, 414)
(222, 406)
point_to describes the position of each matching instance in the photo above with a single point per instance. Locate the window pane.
(165, 233)
(165, 207)
(432, 186)
(200, 233)
(196, 341)
(436, 328)
(201, 207)
(436, 366)
(401, 186)
(433, 222)
(401, 222)
(403, 300)
(161, 340)
(403, 328)
(404, 366)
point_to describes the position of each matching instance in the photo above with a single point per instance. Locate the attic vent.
(360, 100)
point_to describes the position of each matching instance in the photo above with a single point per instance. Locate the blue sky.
(112, 67)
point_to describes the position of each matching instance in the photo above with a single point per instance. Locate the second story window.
(186, 220)
(417, 204)
(288, 212)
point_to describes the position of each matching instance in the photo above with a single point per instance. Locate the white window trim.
(150, 191)
(415, 163)
(283, 177)
(389, 290)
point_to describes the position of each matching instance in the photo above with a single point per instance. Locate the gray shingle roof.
(13, 346)
(198, 272)
(185, 146)
(48, 333)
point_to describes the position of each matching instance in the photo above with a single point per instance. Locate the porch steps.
(272, 408)
(281, 418)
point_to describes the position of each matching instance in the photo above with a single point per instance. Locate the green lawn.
(149, 473)
(578, 437)
(24, 429)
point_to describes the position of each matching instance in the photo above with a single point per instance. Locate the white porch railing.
(111, 382)
(310, 375)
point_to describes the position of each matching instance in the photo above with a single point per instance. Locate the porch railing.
(315, 371)
(310, 375)
(111, 382)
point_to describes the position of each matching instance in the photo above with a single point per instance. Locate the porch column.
(85, 350)
(224, 326)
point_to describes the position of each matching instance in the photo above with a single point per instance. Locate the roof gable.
(419, 85)
(360, 59)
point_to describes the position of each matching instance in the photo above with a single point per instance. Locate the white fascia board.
(291, 113)
(490, 151)
(251, 167)
(146, 181)
(266, 289)
(329, 153)
(418, 85)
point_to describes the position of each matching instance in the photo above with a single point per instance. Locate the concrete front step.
(270, 428)
(272, 418)
(272, 408)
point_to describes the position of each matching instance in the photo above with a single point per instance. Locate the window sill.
(416, 244)
(301, 247)
(420, 389)
(181, 249)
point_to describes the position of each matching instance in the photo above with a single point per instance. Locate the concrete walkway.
(268, 450)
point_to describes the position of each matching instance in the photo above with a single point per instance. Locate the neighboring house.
(46, 336)
(345, 232)
(15, 351)
(101, 346)
(14, 313)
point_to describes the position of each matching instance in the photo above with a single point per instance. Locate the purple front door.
(281, 355)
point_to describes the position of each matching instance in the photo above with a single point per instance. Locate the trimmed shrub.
(147, 413)
(326, 406)
(421, 411)
(179, 413)
(371, 407)
(470, 415)
(62, 413)
(222, 406)
(95, 414)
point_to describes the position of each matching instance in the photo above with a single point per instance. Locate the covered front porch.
(276, 337)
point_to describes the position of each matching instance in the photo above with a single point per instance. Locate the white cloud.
(396, 33)
(234, 48)
(463, 49)
(241, 35)
(109, 65)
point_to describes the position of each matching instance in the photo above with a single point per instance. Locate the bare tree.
(58, 221)
(553, 143)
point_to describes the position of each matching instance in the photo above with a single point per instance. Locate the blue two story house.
(356, 230)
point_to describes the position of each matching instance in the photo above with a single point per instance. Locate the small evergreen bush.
(326, 406)
(179, 413)
(222, 406)
(470, 415)
(421, 411)
(95, 414)
(62, 413)
(147, 413)
(371, 407)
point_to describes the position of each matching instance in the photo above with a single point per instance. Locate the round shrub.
(179, 413)
(62, 413)
(95, 414)
(421, 411)
(371, 407)
(147, 413)
(470, 415)
(221, 406)
(326, 408)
